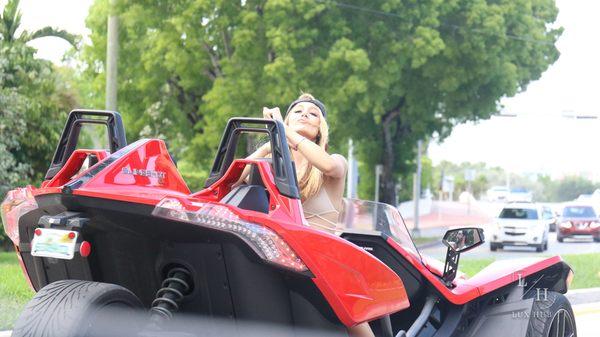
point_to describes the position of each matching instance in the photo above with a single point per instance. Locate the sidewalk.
(583, 296)
(587, 317)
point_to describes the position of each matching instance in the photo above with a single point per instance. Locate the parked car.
(522, 224)
(579, 220)
(497, 193)
(519, 195)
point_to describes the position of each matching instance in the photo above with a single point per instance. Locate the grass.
(585, 266)
(14, 290)
(421, 240)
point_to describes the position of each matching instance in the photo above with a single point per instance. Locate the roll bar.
(283, 166)
(70, 135)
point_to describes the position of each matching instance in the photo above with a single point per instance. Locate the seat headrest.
(254, 177)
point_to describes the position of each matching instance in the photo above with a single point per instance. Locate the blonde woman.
(321, 176)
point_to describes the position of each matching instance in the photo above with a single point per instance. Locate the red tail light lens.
(16, 203)
(264, 241)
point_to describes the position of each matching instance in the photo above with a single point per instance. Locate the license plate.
(55, 243)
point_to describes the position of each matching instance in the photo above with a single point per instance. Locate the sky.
(539, 140)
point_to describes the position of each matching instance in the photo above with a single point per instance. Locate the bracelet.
(297, 144)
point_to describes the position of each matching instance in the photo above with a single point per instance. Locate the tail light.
(569, 279)
(264, 241)
(566, 224)
(16, 203)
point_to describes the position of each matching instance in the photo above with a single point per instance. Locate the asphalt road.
(570, 246)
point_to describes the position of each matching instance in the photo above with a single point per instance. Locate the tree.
(391, 72)
(11, 20)
(44, 98)
(571, 187)
(434, 64)
(12, 127)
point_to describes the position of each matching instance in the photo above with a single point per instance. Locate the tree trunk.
(392, 130)
(387, 182)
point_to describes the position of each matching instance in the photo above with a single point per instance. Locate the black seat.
(252, 196)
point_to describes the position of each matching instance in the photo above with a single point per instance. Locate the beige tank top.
(320, 212)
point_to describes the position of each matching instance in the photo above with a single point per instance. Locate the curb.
(582, 291)
(583, 296)
(592, 308)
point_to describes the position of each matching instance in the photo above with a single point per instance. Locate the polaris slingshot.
(127, 233)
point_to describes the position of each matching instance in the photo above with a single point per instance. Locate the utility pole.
(417, 189)
(352, 183)
(112, 54)
(378, 171)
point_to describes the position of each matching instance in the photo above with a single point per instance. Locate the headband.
(316, 102)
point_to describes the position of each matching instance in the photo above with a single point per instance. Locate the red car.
(128, 234)
(578, 220)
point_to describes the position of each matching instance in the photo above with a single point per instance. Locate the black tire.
(597, 239)
(493, 247)
(539, 248)
(549, 310)
(560, 239)
(72, 308)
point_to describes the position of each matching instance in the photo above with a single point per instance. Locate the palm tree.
(10, 20)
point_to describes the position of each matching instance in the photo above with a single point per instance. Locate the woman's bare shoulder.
(342, 165)
(340, 159)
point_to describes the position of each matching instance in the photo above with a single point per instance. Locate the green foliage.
(45, 100)
(34, 100)
(391, 72)
(10, 20)
(485, 177)
(570, 187)
(12, 127)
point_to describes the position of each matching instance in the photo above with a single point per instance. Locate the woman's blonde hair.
(310, 179)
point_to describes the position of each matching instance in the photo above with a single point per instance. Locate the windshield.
(519, 213)
(579, 212)
(361, 216)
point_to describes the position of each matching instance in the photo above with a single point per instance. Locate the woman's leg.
(361, 330)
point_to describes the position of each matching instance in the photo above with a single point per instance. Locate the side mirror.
(459, 240)
(463, 239)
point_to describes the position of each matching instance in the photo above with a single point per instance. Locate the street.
(571, 246)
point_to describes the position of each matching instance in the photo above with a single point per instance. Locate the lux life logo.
(541, 293)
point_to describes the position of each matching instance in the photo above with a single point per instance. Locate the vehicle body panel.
(116, 199)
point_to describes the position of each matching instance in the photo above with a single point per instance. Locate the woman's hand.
(273, 113)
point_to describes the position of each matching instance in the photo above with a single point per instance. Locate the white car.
(522, 224)
(519, 195)
(497, 193)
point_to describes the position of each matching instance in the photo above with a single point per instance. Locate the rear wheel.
(72, 308)
(494, 246)
(560, 239)
(597, 239)
(539, 248)
(551, 316)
